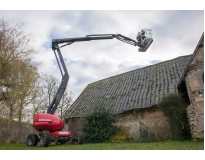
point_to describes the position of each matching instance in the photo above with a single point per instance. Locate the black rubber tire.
(78, 138)
(45, 138)
(32, 140)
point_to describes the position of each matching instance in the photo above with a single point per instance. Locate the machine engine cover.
(47, 122)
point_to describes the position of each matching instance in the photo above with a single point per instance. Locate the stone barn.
(134, 95)
(193, 80)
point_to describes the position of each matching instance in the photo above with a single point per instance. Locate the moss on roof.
(140, 88)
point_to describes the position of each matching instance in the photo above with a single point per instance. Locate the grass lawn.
(166, 145)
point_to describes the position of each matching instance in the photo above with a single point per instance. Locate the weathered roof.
(200, 44)
(140, 88)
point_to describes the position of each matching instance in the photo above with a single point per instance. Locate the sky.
(175, 33)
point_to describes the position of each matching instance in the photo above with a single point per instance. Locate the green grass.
(166, 145)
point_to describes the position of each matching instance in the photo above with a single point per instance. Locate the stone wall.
(194, 80)
(152, 118)
(15, 132)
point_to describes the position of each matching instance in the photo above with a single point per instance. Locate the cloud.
(176, 33)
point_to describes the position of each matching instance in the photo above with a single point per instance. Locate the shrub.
(99, 125)
(175, 112)
(120, 136)
(145, 135)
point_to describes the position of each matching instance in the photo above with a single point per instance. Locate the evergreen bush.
(99, 125)
(173, 108)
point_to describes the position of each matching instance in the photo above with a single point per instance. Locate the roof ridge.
(140, 68)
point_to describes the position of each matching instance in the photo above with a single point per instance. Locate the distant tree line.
(23, 90)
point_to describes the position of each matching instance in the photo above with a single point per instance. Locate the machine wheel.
(45, 138)
(77, 138)
(32, 140)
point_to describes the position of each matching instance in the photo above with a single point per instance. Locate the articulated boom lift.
(49, 125)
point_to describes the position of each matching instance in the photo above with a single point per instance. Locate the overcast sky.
(175, 33)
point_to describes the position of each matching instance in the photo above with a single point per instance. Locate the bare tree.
(51, 85)
(15, 60)
(29, 85)
(38, 105)
(65, 103)
(22, 92)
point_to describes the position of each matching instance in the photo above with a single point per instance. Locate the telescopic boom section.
(65, 77)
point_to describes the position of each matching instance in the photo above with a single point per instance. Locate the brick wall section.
(195, 89)
(75, 125)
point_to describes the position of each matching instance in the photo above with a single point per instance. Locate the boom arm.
(65, 77)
